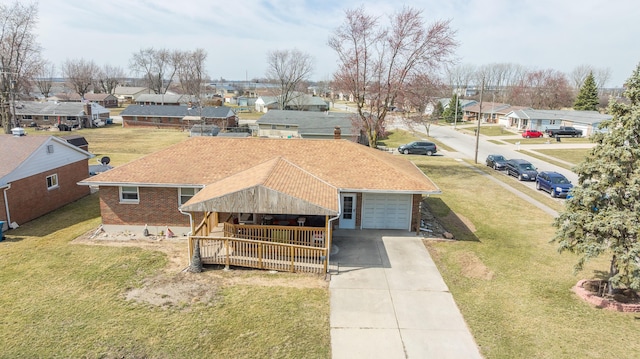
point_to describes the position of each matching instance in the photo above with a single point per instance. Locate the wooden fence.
(302, 236)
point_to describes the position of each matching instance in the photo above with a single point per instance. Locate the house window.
(52, 181)
(129, 195)
(552, 122)
(273, 127)
(46, 118)
(185, 194)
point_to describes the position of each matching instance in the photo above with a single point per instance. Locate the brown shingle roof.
(16, 150)
(204, 160)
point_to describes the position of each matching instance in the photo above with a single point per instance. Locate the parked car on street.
(521, 169)
(553, 182)
(532, 134)
(419, 147)
(497, 162)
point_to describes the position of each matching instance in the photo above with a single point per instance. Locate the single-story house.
(298, 102)
(38, 175)
(181, 117)
(128, 94)
(587, 121)
(430, 107)
(163, 99)
(491, 112)
(103, 99)
(357, 187)
(47, 114)
(290, 191)
(306, 124)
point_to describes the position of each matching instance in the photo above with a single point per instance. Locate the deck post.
(227, 259)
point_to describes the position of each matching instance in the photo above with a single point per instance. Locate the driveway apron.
(388, 300)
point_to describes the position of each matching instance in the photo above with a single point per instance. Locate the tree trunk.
(613, 270)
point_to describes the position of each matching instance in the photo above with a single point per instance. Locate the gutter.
(6, 203)
(188, 234)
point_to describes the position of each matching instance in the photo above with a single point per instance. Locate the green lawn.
(510, 283)
(572, 155)
(64, 300)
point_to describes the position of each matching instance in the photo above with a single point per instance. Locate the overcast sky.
(538, 34)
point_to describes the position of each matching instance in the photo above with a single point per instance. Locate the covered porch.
(256, 220)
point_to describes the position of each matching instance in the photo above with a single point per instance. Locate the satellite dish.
(105, 160)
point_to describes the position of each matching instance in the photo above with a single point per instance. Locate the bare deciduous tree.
(375, 62)
(191, 72)
(80, 74)
(43, 78)
(421, 92)
(542, 89)
(580, 73)
(19, 53)
(109, 78)
(158, 67)
(289, 69)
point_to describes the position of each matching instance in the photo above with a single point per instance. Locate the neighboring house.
(587, 121)
(337, 181)
(181, 117)
(299, 102)
(445, 103)
(491, 112)
(306, 124)
(47, 114)
(38, 175)
(128, 94)
(163, 99)
(103, 99)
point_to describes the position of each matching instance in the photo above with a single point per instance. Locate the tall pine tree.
(603, 215)
(587, 99)
(449, 113)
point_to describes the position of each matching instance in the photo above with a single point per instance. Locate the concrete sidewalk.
(388, 300)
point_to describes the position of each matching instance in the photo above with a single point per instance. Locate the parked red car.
(532, 134)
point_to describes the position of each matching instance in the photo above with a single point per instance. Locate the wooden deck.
(281, 248)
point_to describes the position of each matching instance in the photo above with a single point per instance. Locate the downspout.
(330, 229)
(6, 204)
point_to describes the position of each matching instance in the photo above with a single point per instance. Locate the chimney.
(87, 109)
(336, 133)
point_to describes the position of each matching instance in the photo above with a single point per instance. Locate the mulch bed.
(622, 300)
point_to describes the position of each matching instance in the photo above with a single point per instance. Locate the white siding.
(386, 211)
(41, 160)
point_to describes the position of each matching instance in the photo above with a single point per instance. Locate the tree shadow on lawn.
(461, 227)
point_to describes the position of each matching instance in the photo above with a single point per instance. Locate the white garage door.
(386, 211)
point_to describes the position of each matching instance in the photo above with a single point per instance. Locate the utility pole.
(479, 116)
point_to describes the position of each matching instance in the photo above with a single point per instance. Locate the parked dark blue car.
(553, 182)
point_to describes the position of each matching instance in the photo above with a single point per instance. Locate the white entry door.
(348, 217)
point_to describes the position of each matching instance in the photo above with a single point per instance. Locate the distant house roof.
(163, 98)
(130, 90)
(178, 111)
(309, 122)
(56, 108)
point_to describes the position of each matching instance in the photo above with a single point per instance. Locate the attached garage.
(386, 211)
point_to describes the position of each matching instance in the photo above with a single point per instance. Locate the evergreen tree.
(438, 109)
(603, 215)
(587, 99)
(449, 113)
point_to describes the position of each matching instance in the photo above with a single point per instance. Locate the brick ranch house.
(263, 192)
(180, 117)
(39, 176)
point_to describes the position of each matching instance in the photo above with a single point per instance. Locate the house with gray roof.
(299, 102)
(587, 121)
(163, 99)
(307, 124)
(128, 94)
(49, 114)
(181, 117)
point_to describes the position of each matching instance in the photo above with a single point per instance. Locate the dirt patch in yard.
(472, 267)
(174, 287)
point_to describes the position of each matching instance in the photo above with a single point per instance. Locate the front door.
(348, 217)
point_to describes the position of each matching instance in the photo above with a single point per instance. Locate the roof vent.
(18, 131)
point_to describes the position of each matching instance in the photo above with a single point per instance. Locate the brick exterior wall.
(157, 207)
(415, 212)
(29, 198)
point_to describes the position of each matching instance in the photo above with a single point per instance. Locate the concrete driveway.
(388, 300)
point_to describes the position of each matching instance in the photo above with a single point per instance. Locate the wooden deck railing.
(302, 236)
(260, 254)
